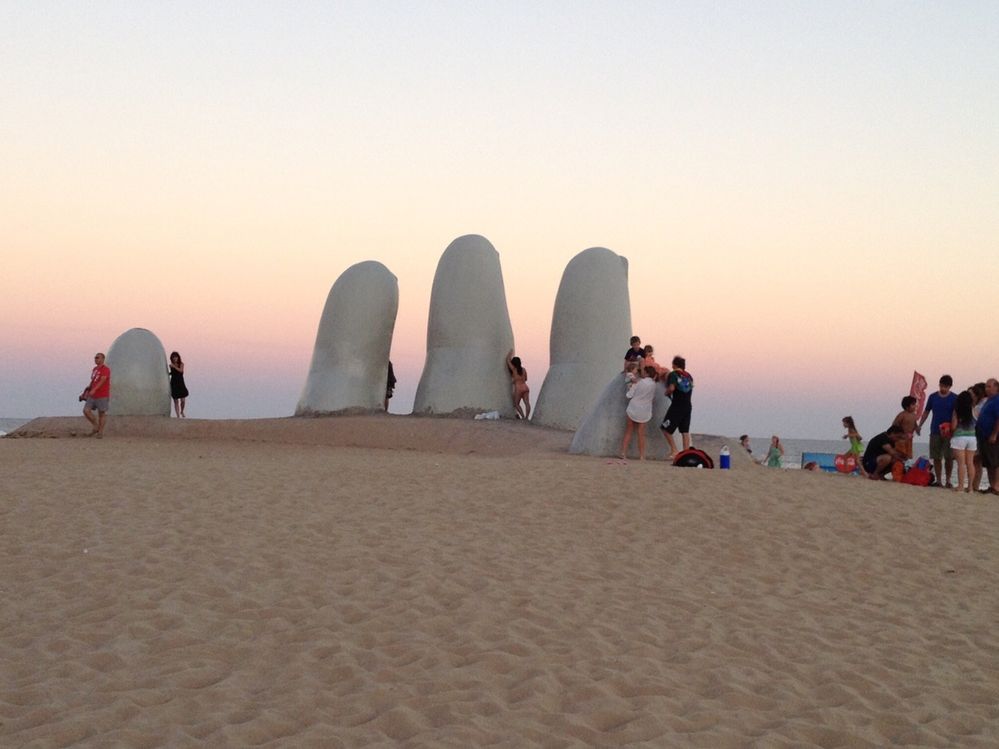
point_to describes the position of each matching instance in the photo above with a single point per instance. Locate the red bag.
(917, 476)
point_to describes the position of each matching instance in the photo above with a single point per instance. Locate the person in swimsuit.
(178, 390)
(856, 448)
(775, 455)
(518, 382)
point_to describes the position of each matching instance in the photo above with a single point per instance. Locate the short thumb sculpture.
(468, 334)
(591, 326)
(139, 382)
(350, 359)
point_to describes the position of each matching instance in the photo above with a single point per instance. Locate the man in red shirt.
(97, 394)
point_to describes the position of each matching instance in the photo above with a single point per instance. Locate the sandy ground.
(255, 586)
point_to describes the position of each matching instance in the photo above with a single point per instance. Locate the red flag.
(918, 391)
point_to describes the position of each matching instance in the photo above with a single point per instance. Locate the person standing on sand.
(941, 405)
(856, 442)
(390, 382)
(97, 396)
(979, 396)
(987, 432)
(963, 442)
(178, 390)
(641, 393)
(775, 454)
(907, 421)
(679, 388)
(518, 382)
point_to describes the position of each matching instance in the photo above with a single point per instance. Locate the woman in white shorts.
(963, 442)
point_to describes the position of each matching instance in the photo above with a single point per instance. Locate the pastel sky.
(807, 193)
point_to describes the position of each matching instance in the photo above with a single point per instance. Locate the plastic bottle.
(726, 459)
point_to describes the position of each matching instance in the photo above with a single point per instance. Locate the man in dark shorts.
(987, 433)
(881, 452)
(97, 396)
(679, 387)
(941, 405)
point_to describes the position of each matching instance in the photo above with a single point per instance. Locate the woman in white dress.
(641, 392)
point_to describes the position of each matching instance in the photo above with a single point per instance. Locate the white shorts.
(964, 442)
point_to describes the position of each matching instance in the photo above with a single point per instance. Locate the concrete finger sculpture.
(602, 429)
(468, 335)
(139, 382)
(350, 359)
(591, 326)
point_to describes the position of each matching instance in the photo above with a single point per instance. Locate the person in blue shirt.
(987, 432)
(941, 405)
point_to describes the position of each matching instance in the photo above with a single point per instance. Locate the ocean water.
(9, 425)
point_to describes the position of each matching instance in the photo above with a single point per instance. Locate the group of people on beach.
(96, 396)
(642, 376)
(964, 429)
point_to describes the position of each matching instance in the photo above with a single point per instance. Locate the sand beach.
(396, 581)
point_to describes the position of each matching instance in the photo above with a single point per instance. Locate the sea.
(9, 425)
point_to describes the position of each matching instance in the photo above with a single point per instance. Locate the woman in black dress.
(178, 390)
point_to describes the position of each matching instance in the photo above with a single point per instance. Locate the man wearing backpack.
(679, 387)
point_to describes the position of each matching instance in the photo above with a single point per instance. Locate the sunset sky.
(807, 193)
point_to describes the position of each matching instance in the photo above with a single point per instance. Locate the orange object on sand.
(897, 470)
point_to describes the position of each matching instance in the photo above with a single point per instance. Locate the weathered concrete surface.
(350, 359)
(140, 385)
(468, 335)
(591, 326)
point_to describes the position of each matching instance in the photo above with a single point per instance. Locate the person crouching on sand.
(881, 453)
(97, 396)
(518, 382)
(640, 394)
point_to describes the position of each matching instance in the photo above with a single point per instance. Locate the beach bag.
(919, 475)
(693, 458)
(897, 470)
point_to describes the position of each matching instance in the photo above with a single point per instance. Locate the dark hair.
(894, 429)
(515, 361)
(648, 348)
(963, 407)
(947, 380)
(173, 354)
(635, 339)
(650, 371)
(908, 401)
(848, 420)
(743, 437)
(679, 361)
(978, 390)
